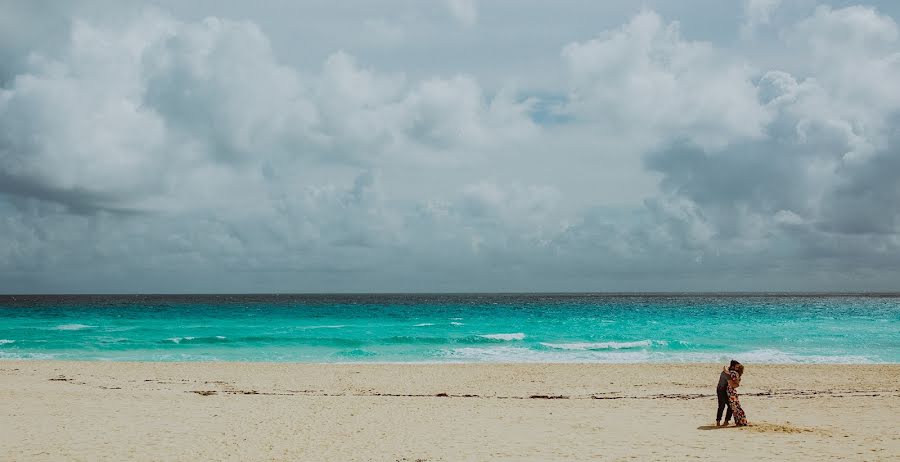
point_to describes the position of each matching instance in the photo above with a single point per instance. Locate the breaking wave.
(73, 327)
(601, 345)
(504, 337)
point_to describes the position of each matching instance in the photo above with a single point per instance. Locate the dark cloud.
(75, 200)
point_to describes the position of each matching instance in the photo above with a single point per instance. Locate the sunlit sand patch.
(780, 428)
(765, 427)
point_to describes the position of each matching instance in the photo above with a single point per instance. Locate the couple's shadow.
(713, 427)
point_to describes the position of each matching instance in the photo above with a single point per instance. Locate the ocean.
(601, 328)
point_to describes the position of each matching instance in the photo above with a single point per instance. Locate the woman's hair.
(739, 368)
(732, 364)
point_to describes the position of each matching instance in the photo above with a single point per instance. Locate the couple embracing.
(729, 380)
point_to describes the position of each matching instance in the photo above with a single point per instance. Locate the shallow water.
(454, 328)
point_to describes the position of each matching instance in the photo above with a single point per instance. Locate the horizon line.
(602, 293)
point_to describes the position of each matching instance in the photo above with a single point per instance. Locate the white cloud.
(853, 55)
(644, 77)
(757, 13)
(446, 112)
(465, 11)
(161, 108)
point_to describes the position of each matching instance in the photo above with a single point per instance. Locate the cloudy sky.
(460, 145)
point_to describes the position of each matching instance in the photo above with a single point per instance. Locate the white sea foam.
(179, 339)
(26, 355)
(73, 327)
(4, 341)
(507, 337)
(454, 323)
(179, 357)
(599, 345)
(509, 354)
(221, 337)
(424, 324)
(763, 356)
(772, 356)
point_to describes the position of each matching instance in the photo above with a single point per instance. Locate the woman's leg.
(740, 419)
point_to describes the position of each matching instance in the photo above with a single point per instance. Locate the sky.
(449, 146)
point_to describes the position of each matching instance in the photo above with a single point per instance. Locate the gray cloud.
(76, 200)
(819, 185)
(145, 151)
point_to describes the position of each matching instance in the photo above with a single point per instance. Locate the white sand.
(251, 411)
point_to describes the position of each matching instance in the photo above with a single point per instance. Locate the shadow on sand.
(713, 427)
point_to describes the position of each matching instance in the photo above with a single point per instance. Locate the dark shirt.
(723, 380)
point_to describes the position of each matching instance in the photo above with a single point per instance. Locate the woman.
(734, 381)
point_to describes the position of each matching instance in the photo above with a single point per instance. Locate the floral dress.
(740, 419)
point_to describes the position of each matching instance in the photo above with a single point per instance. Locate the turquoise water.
(454, 328)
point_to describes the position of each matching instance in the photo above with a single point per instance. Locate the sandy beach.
(389, 412)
